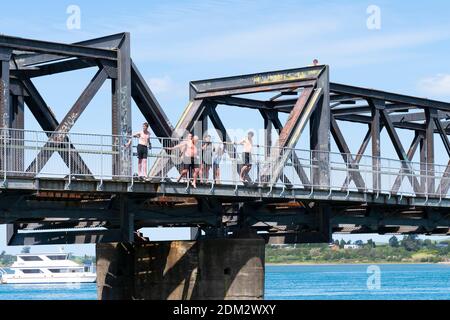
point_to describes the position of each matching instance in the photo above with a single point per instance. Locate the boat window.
(30, 258)
(57, 257)
(31, 271)
(55, 270)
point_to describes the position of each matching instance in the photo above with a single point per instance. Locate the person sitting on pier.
(189, 158)
(247, 156)
(142, 149)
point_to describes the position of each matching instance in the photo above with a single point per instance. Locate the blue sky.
(174, 42)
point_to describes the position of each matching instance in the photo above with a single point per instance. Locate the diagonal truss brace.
(400, 150)
(46, 119)
(194, 111)
(272, 116)
(412, 150)
(346, 155)
(59, 136)
(291, 132)
(358, 157)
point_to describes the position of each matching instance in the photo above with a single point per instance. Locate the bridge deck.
(91, 198)
(60, 157)
(225, 192)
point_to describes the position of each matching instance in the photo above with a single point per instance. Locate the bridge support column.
(5, 56)
(121, 111)
(210, 269)
(320, 135)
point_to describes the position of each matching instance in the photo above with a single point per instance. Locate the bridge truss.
(291, 201)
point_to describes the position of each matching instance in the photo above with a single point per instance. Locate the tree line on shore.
(409, 249)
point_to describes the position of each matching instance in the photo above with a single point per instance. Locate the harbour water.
(315, 282)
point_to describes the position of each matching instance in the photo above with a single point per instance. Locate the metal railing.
(91, 156)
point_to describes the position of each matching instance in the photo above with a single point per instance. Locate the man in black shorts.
(142, 149)
(189, 152)
(247, 156)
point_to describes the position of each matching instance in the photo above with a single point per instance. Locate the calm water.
(298, 282)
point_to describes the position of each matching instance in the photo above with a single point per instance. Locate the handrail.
(78, 152)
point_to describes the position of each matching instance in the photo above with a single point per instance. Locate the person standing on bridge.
(207, 155)
(218, 153)
(142, 149)
(189, 157)
(247, 156)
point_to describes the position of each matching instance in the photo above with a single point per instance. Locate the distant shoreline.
(346, 263)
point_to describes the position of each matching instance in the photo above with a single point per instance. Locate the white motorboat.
(46, 268)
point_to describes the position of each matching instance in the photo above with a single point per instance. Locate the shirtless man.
(142, 149)
(189, 156)
(247, 156)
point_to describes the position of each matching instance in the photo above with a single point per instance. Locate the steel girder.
(206, 94)
(60, 135)
(24, 59)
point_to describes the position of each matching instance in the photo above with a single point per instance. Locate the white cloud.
(161, 85)
(437, 85)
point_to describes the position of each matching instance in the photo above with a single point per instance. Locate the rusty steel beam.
(375, 127)
(430, 115)
(109, 42)
(240, 102)
(5, 110)
(121, 110)
(319, 131)
(57, 138)
(418, 116)
(268, 125)
(257, 82)
(400, 125)
(65, 237)
(259, 89)
(275, 121)
(5, 55)
(344, 98)
(387, 96)
(53, 68)
(60, 49)
(393, 107)
(291, 132)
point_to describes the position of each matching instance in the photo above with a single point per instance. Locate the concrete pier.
(182, 270)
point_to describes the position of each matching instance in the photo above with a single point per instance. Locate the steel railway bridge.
(298, 194)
